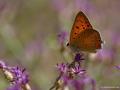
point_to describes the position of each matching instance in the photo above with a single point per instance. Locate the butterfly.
(83, 37)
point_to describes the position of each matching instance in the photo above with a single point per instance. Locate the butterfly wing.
(89, 40)
(81, 23)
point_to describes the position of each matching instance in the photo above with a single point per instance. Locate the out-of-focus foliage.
(28, 37)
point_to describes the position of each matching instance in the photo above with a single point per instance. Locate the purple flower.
(69, 72)
(78, 70)
(62, 36)
(62, 67)
(66, 69)
(17, 76)
(20, 75)
(78, 57)
(20, 78)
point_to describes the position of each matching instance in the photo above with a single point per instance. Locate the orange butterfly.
(83, 37)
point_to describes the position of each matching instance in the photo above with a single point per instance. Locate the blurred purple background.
(28, 38)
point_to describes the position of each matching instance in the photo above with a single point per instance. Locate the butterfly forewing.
(81, 23)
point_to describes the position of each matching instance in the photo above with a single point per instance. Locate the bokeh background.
(28, 38)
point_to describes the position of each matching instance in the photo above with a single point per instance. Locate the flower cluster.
(70, 71)
(17, 76)
(72, 74)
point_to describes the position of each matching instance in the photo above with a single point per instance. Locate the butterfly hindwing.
(88, 40)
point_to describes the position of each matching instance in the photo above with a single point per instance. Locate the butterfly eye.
(100, 41)
(68, 44)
